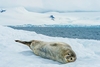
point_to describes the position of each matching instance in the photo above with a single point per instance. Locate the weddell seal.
(57, 51)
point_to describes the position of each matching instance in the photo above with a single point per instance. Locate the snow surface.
(20, 16)
(14, 54)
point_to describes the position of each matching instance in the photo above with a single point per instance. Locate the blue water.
(70, 32)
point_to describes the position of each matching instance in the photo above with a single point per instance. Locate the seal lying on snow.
(57, 51)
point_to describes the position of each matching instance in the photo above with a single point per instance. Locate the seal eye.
(68, 54)
(71, 58)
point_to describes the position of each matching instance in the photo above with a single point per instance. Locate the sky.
(58, 5)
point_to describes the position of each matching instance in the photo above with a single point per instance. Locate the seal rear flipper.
(28, 43)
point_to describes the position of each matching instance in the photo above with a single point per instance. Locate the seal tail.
(28, 43)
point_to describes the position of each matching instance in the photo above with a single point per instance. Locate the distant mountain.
(54, 25)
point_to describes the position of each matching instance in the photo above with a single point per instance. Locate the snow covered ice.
(14, 54)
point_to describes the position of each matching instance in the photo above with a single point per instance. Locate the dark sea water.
(70, 32)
